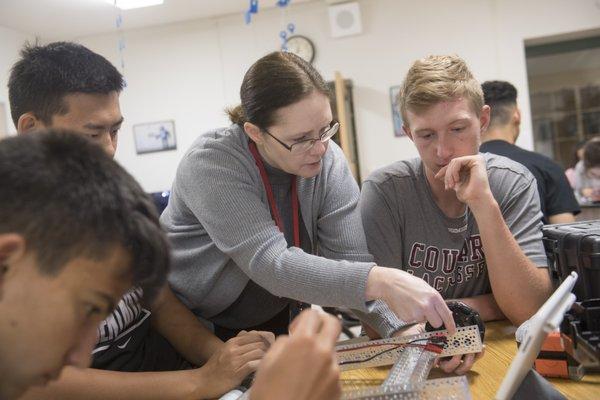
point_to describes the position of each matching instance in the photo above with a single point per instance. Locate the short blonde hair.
(438, 78)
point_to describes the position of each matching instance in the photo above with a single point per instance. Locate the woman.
(577, 157)
(587, 173)
(263, 215)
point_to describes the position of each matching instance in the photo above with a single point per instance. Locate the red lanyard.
(271, 198)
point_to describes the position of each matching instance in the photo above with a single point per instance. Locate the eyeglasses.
(305, 145)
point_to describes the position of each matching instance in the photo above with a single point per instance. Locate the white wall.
(11, 42)
(190, 71)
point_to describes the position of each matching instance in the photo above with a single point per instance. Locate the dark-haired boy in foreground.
(74, 230)
(66, 253)
(65, 85)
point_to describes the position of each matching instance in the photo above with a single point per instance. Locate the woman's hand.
(409, 297)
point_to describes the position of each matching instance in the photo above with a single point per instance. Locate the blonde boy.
(467, 223)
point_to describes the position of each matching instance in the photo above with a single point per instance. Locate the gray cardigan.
(222, 234)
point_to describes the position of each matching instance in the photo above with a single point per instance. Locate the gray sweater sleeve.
(340, 234)
(336, 243)
(381, 318)
(228, 200)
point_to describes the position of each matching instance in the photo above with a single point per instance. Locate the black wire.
(382, 352)
(370, 358)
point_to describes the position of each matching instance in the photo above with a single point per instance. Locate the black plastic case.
(575, 247)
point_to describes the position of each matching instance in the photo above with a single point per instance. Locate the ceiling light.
(131, 4)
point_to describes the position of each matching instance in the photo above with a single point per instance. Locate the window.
(564, 86)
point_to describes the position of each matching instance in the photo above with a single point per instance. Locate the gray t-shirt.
(406, 229)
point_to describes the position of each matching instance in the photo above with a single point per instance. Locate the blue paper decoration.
(252, 9)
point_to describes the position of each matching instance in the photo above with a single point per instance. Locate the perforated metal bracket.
(455, 388)
(377, 353)
(411, 369)
(362, 382)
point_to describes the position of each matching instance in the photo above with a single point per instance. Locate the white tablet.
(546, 320)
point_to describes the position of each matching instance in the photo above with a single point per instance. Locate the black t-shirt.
(556, 195)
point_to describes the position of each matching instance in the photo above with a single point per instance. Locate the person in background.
(61, 270)
(557, 201)
(577, 156)
(141, 351)
(467, 223)
(587, 173)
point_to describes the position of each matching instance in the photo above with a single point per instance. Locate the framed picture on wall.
(396, 117)
(154, 136)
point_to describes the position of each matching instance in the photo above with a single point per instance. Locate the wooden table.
(487, 373)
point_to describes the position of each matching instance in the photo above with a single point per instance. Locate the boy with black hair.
(556, 196)
(63, 240)
(66, 85)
